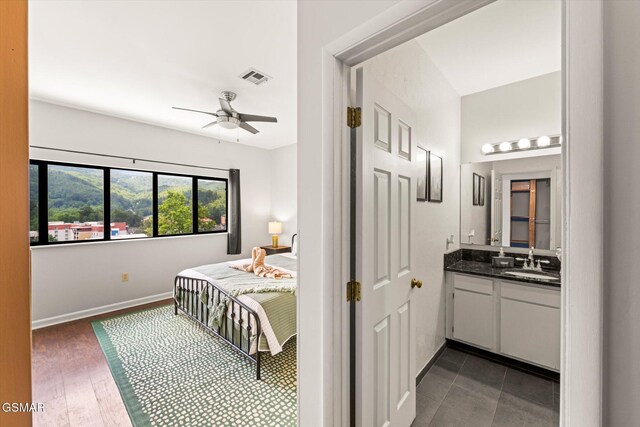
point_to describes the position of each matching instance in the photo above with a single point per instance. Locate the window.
(77, 203)
(75, 197)
(33, 204)
(212, 205)
(175, 213)
(131, 204)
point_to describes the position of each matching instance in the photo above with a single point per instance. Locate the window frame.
(195, 200)
(43, 202)
(153, 193)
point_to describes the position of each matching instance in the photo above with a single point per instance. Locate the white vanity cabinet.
(516, 319)
(530, 324)
(474, 314)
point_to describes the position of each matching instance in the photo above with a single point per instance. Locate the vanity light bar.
(524, 144)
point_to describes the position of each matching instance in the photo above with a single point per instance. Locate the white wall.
(621, 374)
(76, 277)
(284, 185)
(524, 109)
(409, 72)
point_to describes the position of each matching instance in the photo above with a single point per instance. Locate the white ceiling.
(137, 59)
(504, 42)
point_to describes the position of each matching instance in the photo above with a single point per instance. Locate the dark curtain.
(234, 243)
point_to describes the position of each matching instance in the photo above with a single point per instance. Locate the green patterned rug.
(171, 372)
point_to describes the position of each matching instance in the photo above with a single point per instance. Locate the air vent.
(254, 76)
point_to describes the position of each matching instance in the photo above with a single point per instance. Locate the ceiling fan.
(229, 118)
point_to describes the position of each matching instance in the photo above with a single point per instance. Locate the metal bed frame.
(187, 299)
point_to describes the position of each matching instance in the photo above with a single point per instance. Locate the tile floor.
(461, 389)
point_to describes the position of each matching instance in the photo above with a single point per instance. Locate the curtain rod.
(127, 158)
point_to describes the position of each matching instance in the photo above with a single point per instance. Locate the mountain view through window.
(74, 200)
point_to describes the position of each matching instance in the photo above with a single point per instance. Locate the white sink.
(531, 275)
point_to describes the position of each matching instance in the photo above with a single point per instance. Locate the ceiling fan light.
(228, 122)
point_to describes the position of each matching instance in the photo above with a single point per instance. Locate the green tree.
(131, 218)
(218, 208)
(86, 214)
(63, 214)
(147, 226)
(205, 222)
(174, 215)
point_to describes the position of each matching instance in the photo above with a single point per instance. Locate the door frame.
(15, 283)
(582, 108)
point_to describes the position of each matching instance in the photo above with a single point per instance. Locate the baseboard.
(76, 315)
(505, 360)
(430, 363)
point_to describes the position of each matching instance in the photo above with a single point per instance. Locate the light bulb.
(505, 146)
(487, 148)
(544, 141)
(524, 143)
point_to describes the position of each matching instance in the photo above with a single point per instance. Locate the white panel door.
(386, 260)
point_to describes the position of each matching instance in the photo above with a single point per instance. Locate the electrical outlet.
(125, 277)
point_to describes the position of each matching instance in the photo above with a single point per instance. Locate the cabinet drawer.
(531, 294)
(473, 284)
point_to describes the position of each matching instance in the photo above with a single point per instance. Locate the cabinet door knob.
(416, 283)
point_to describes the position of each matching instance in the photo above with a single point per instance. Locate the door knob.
(416, 283)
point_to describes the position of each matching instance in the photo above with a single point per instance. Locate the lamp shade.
(275, 227)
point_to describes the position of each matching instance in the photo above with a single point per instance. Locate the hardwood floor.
(71, 376)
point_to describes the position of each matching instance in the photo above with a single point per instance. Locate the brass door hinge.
(353, 291)
(354, 117)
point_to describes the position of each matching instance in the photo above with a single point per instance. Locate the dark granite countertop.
(485, 269)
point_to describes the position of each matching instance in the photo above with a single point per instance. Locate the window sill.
(118, 241)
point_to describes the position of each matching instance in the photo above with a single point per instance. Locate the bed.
(253, 314)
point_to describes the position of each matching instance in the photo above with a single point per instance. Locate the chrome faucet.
(529, 263)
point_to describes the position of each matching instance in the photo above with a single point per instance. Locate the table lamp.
(275, 228)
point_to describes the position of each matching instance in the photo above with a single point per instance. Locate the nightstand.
(279, 250)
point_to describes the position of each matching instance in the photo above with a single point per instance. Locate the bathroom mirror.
(514, 203)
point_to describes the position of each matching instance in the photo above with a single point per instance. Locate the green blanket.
(276, 297)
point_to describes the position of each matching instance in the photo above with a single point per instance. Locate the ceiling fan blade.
(210, 124)
(255, 118)
(225, 106)
(249, 128)
(195, 111)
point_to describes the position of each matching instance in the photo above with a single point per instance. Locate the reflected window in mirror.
(530, 219)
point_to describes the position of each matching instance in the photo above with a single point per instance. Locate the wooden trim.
(15, 304)
(533, 195)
